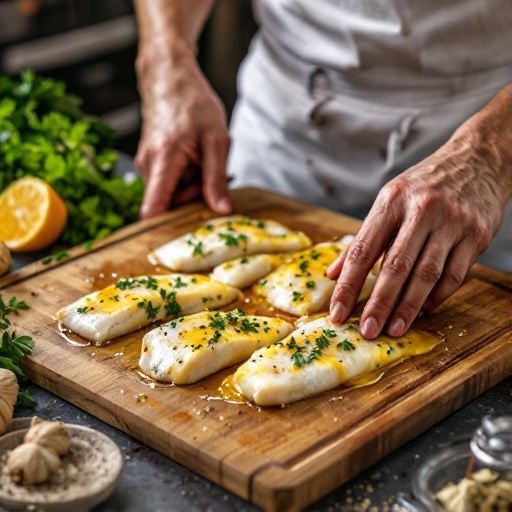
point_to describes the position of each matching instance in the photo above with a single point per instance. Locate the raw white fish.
(319, 356)
(226, 238)
(190, 348)
(133, 303)
(242, 272)
(300, 287)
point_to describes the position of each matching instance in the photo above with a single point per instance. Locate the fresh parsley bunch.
(14, 348)
(44, 133)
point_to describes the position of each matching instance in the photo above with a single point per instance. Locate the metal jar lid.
(492, 443)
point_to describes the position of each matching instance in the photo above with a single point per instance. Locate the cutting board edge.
(277, 488)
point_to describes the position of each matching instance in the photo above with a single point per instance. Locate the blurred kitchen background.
(92, 44)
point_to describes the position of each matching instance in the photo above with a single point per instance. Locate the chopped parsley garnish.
(231, 240)
(310, 284)
(126, 284)
(217, 323)
(247, 326)
(150, 282)
(214, 339)
(179, 283)
(304, 266)
(198, 247)
(83, 309)
(390, 350)
(315, 254)
(171, 306)
(297, 296)
(150, 310)
(346, 345)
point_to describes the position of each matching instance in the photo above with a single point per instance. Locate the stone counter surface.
(154, 483)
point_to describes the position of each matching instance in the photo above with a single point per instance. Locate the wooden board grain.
(280, 458)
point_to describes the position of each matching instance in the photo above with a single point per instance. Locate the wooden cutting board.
(279, 458)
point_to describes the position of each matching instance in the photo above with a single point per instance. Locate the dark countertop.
(153, 482)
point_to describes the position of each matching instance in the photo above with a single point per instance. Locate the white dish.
(79, 496)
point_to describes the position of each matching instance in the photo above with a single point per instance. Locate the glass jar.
(490, 447)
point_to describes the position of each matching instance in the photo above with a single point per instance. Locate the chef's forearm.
(493, 129)
(167, 28)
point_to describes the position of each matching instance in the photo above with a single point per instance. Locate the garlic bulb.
(50, 434)
(5, 259)
(8, 396)
(31, 464)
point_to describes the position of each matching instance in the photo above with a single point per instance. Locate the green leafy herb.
(171, 306)
(14, 348)
(198, 247)
(44, 133)
(390, 350)
(83, 309)
(310, 284)
(297, 296)
(247, 326)
(304, 266)
(230, 239)
(315, 254)
(126, 284)
(150, 310)
(179, 283)
(217, 323)
(346, 345)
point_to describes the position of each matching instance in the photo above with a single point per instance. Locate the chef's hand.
(184, 145)
(431, 222)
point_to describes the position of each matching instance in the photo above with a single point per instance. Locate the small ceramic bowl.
(79, 495)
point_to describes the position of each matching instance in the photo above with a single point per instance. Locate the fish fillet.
(190, 348)
(226, 238)
(243, 272)
(300, 287)
(133, 303)
(319, 356)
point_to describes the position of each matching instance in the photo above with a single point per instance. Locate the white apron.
(337, 97)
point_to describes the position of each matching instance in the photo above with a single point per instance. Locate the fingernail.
(224, 205)
(337, 311)
(397, 327)
(331, 267)
(370, 328)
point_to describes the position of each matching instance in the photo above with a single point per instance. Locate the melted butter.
(229, 393)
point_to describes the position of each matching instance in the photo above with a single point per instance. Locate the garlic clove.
(50, 434)
(8, 396)
(32, 464)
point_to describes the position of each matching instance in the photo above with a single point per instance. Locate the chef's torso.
(422, 37)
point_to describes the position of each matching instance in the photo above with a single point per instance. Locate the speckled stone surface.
(154, 483)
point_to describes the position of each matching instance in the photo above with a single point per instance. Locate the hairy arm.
(432, 222)
(184, 144)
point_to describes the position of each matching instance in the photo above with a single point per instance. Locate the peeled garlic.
(8, 396)
(50, 434)
(5, 259)
(31, 464)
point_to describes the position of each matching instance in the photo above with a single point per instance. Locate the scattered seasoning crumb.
(141, 397)
(84, 470)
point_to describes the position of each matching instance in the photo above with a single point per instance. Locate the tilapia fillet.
(245, 271)
(300, 287)
(133, 303)
(319, 356)
(226, 238)
(190, 348)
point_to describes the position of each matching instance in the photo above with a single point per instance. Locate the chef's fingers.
(457, 266)
(397, 267)
(334, 269)
(188, 193)
(426, 274)
(166, 169)
(373, 238)
(215, 147)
